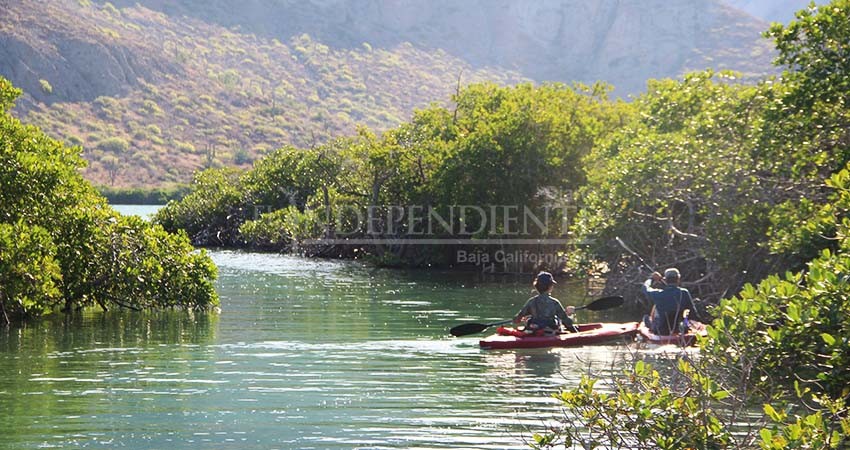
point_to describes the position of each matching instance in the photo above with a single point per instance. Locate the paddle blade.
(604, 303)
(468, 328)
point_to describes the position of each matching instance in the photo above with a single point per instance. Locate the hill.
(620, 42)
(772, 10)
(153, 98)
(154, 90)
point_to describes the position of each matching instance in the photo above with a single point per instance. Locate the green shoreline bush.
(773, 371)
(62, 246)
(142, 196)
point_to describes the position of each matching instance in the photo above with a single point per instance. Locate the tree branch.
(3, 307)
(124, 305)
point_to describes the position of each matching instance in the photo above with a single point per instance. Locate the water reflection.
(537, 363)
(540, 364)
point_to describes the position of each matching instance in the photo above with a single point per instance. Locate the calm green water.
(305, 354)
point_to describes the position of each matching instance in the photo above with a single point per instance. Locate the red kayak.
(683, 340)
(589, 333)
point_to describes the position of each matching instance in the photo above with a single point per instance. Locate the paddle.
(596, 305)
(603, 303)
(472, 328)
(634, 253)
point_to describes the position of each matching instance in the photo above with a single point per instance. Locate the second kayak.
(589, 333)
(683, 340)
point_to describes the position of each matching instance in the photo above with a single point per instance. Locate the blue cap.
(546, 277)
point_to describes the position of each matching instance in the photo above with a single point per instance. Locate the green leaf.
(720, 395)
(772, 413)
(828, 338)
(766, 437)
(793, 312)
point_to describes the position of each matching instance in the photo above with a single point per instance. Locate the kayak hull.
(683, 340)
(588, 334)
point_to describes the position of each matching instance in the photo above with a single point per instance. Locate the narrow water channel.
(305, 354)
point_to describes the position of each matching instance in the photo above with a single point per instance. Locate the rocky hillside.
(152, 98)
(623, 42)
(154, 90)
(772, 10)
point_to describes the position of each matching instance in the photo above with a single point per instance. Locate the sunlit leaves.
(8, 94)
(29, 273)
(648, 411)
(760, 168)
(794, 328)
(61, 244)
(738, 169)
(522, 146)
(527, 137)
(680, 182)
(688, 408)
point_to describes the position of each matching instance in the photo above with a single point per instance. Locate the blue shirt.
(669, 303)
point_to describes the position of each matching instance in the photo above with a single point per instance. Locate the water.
(305, 354)
(143, 211)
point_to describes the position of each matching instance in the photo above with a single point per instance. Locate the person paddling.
(543, 313)
(669, 303)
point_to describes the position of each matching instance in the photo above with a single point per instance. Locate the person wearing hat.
(669, 303)
(543, 313)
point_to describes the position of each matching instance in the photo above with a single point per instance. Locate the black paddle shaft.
(603, 303)
(634, 253)
(472, 328)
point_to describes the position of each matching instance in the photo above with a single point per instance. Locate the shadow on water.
(63, 376)
(65, 332)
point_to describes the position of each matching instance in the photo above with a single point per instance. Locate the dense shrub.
(282, 229)
(531, 139)
(211, 212)
(712, 175)
(689, 407)
(778, 182)
(61, 243)
(114, 144)
(29, 273)
(797, 327)
(142, 196)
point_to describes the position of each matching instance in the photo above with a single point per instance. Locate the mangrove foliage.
(63, 247)
(773, 370)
